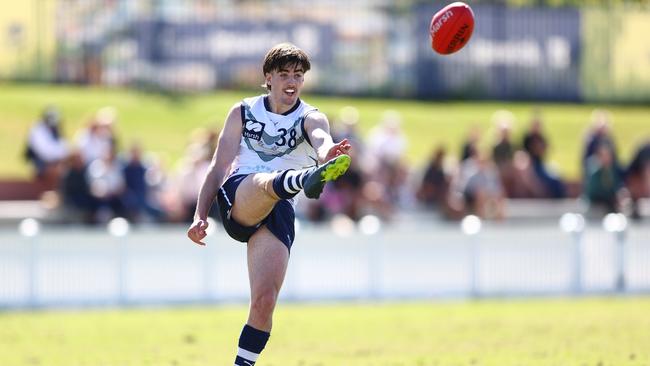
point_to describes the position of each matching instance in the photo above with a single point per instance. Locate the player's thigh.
(252, 203)
(268, 258)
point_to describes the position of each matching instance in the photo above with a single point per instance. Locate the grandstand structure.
(563, 52)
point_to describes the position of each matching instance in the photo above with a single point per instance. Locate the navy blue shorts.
(280, 221)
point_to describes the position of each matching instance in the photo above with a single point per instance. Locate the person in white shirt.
(96, 140)
(46, 148)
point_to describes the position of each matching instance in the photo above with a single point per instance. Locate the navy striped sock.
(251, 344)
(288, 183)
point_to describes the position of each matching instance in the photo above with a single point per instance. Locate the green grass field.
(563, 332)
(164, 124)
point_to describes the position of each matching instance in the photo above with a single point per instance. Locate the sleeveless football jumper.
(270, 142)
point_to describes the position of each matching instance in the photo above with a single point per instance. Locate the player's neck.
(277, 107)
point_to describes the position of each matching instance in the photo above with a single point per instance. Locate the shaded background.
(562, 51)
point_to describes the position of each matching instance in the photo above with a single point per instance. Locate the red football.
(451, 28)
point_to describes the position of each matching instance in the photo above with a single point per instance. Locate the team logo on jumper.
(253, 130)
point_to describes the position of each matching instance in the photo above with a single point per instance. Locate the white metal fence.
(158, 265)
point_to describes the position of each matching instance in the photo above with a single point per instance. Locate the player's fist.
(197, 231)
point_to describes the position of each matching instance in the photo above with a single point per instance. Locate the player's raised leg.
(254, 200)
(258, 193)
(267, 264)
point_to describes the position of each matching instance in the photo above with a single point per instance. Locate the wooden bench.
(20, 189)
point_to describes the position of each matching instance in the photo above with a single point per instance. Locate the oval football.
(451, 28)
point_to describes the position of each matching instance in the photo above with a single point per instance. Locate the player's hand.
(340, 148)
(197, 232)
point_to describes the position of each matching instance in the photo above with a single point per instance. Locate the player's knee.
(265, 182)
(263, 303)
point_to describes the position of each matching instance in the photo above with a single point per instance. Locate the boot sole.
(337, 169)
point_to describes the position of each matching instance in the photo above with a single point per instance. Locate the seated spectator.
(525, 183)
(346, 127)
(535, 144)
(386, 172)
(470, 145)
(138, 199)
(46, 148)
(479, 185)
(503, 152)
(107, 185)
(603, 184)
(191, 172)
(434, 186)
(534, 138)
(97, 139)
(599, 134)
(637, 178)
(386, 141)
(78, 204)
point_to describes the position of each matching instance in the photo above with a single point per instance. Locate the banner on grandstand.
(196, 55)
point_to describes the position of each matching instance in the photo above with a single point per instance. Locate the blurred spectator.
(346, 127)
(209, 142)
(46, 148)
(477, 189)
(598, 135)
(107, 185)
(138, 198)
(536, 146)
(386, 170)
(192, 172)
(386, 141)
(514, 166)
(637, 177)
(524, 183)
(503, 151)
(470, 145)
(434, 186)
(78, 204)
(604, 184)
(534, 142)
(97, 139)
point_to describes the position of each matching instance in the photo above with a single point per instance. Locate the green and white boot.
(327, 172)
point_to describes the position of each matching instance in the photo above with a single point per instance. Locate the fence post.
(119, 229)
(369, 226)
(616, 223)
(471, 226)
(30, 228)
(574, 224)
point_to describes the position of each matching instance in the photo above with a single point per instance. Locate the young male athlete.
(271, 147)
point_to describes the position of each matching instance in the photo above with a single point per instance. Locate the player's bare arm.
(318, 129)
(227, 148)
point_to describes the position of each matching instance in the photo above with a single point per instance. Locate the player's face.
(286, 84)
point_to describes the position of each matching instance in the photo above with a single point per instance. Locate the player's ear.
(267, 80)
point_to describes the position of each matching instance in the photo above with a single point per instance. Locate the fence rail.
(77, 267)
